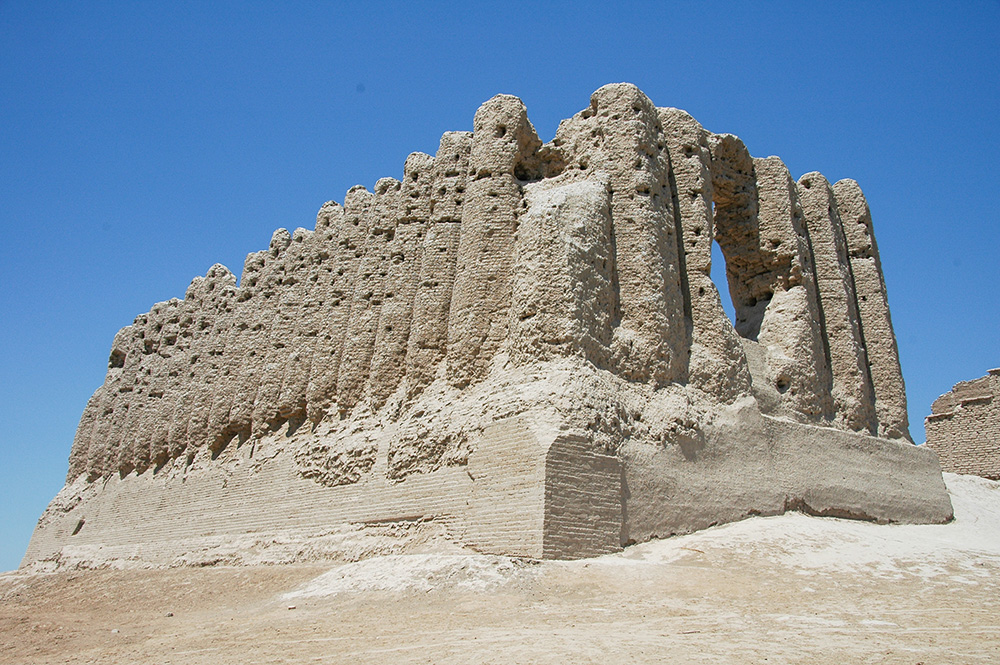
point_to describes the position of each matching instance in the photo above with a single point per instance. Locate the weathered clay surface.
(964, 427)
(873, 310)
(524, 340)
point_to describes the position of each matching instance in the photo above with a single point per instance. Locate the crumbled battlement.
(560, 291)
(964, 427)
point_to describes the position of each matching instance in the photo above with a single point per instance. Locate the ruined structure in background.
(964, 427)
(521, 342)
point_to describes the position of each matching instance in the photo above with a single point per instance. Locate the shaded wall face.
(584, 500)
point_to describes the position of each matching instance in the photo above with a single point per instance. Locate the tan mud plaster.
(520, 341)
(964, 427)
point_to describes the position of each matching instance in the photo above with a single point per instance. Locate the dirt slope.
(790, 589)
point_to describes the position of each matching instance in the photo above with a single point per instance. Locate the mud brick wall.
(964, 427)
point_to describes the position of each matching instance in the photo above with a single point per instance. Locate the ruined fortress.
(521, 343)
(964, 427)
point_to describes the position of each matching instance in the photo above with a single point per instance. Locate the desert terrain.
(788, 589)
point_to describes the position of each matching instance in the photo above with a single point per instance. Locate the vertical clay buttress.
(790, 332)
(323, 307)
(714, 342)
(347, 256)
(80, 451)
(199, 428)
(263, 361)
(873, 308)
(99, 458)
(284, 294)
(369, 295)
(128, 415)
(151, 441)
(211, 298)
(287, 356)
(403, 272)
(122, 395)
(503, 141)
(620, 135)
(428, 341)
(184, 383)
(296, 326)
(562, 295)
(315, 282)
(852, 391)
(187, 370)
(313, 261)
(234, 415)
(229, 351)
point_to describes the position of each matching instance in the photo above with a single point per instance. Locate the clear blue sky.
(142, 142)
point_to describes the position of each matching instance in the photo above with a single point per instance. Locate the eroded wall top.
(964, 427)
(501, 250)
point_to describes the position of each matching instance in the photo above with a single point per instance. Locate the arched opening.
(737, 250)
(718, 275)
(763, 248)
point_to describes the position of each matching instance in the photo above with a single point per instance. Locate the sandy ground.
(790, 589)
